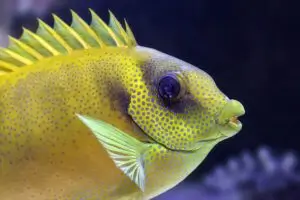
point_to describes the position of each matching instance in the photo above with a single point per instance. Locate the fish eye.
(169, 87)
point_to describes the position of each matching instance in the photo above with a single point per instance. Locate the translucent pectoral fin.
(126, 151)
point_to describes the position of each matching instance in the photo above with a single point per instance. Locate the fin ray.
(16, 56)
(68, 33)
(128, 158)
(7, 67)
(53, 37)
(130, 34)
(85, 31)
(117, 27)
(104, 31)
(63, 39)
(23, 49)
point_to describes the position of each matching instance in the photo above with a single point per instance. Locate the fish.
(87, 113)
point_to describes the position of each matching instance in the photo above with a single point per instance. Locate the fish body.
(53, 77)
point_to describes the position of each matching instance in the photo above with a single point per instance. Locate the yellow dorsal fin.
(117, 28)
(7, 67)
(23, 49)
(130, 35)
(63, 39)
(17, 57)
(53, 37)
(38, 43)
(85, 31)
(104, 31)
(69, 34)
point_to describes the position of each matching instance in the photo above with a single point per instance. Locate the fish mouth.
(234, 122)
(228, 121)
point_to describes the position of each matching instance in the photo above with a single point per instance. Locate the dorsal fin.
(63, 39)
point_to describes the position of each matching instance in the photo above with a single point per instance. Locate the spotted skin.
(188, 119)
(47, 153)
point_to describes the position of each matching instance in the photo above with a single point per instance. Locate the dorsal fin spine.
(116, 26)
(7, 66)
(130, 34)
(71, 31)
(63, 39)
(97, 19)
(56, 36)
(78, 20)
(42, 42)
(17, 56)
(27, 48)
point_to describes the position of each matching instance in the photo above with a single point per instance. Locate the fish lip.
(236, 124)
(227, 119)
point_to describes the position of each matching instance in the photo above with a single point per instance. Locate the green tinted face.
(177, 104)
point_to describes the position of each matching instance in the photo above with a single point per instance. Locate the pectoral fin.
(126, 151)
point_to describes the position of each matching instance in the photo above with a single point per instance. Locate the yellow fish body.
(86, 113)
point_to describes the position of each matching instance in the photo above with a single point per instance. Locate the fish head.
(179, 105)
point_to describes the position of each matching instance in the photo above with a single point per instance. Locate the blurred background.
(251, 48)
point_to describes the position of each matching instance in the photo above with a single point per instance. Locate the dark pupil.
(169, 87)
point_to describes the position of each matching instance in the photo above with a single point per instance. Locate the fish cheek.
(120, 102)
(119, 99)
(182, 105)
